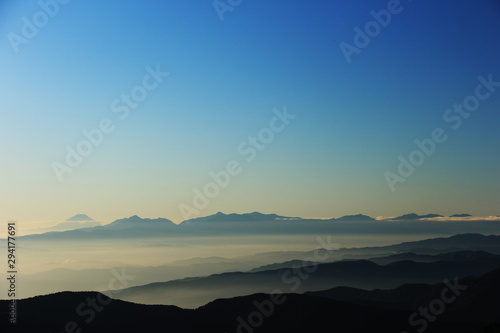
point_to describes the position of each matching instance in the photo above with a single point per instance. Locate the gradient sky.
(352, 120)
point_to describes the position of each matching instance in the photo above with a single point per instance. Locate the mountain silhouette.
(193, 292)
(248, 217)
(136, 221)
(466, 247)
(260, 224)
(473, 310)
(413, 216)
(451, 256)
(354, 218)
(80, 218)
(133, 226)
(475, 302)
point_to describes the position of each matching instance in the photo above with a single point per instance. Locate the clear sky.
(352, 120)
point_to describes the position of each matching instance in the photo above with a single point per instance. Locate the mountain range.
(369, 289)
(254, 223)
(194, 292)
(344, 310)
(456, 248)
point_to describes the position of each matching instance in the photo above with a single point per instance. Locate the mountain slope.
(473, 298)
(193, 292)
(262, 313)
(248, 217)
(354, 218)
(413, 216)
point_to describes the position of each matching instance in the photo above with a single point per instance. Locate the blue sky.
(225, 78)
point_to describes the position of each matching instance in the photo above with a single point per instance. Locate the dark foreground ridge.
(474, 309)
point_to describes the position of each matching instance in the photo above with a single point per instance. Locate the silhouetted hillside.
(259, 313)
(452, 256)
(476, 297)
(193, 292)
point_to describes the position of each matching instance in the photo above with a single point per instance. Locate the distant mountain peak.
(233, 217)
(357, 217)
(79, 218)
(413, 216)
(139, 220)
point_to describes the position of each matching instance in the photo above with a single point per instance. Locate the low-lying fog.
(47, 266)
